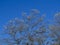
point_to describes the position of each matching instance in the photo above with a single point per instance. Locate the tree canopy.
(32, 30)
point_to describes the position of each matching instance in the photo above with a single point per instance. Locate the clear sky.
(13, 8)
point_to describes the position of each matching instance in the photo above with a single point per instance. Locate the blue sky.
(12, 8)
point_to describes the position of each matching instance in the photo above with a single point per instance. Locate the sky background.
(10, 9)
(13, 8)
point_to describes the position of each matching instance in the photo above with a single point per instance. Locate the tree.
(55, 28)
(30, 30)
